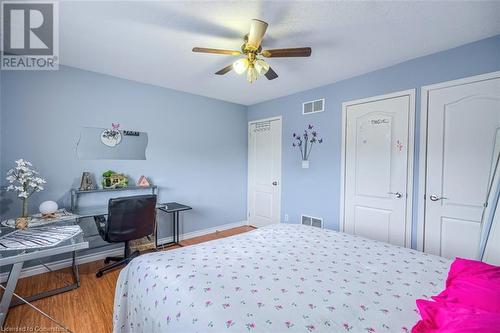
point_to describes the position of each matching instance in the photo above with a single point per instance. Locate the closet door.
(463, 122)
(377, 168)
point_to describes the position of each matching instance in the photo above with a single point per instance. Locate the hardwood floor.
(86, 309)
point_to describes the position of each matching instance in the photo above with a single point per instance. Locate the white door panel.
(264, 172)
(453, 232)
(462, 127)
(372, 223)
(376, 168)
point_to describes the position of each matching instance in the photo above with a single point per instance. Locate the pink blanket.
(470, 303)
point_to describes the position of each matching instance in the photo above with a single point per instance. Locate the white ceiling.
(151, 41)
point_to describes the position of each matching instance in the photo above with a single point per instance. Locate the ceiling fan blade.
(270, 74)
(215, 51)
(293, 52)
(225, 70)
(257, 30)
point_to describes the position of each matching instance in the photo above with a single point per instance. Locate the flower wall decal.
(305, 142)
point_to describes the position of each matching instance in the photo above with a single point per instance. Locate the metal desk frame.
(75, 193)
(17, 263)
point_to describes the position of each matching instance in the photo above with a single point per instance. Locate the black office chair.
(129, 218)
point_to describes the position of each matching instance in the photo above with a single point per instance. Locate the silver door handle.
(434, 197)
(275, 183)
(397, 194)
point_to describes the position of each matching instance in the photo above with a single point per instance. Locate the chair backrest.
(130, 218)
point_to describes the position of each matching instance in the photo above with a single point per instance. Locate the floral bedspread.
(280, 278)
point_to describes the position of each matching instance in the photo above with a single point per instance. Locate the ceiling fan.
(251, 50)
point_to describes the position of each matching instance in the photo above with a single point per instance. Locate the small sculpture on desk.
(87, 183)
(111, 179)
(143, 182)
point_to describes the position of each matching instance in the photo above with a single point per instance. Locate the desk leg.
(156, 234)
(15, 271)
(174, 231)
(177, 223)
(76, 273)
(52, 292)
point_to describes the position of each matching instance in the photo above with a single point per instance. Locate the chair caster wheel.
(98, 274)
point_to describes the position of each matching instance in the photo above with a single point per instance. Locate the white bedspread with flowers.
(280, 278)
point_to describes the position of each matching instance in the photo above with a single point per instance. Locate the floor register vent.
(312, 221)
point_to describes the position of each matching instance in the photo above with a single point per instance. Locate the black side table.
(174, 208)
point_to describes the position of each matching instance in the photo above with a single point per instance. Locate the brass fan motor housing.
(248, 49)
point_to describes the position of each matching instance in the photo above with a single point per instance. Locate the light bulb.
(240, 65)
(261, 66)
(252, 74)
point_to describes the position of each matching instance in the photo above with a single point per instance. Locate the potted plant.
(25, 181)
(305, 143)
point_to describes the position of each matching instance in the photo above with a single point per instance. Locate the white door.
(463, 123)
(264, 172)
(377, 159)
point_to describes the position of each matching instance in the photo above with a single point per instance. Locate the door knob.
(434, 197)
(275, 183)
(397, 194)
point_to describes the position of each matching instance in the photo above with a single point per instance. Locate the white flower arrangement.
(25, 181)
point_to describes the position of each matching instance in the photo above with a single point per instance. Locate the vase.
(22, 222)
(305, 164)
(25, 207)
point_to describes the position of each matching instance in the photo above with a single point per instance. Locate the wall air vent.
(262, 126)
(313, 106)
(312, 221)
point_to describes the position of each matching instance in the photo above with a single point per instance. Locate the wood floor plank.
(85, 309)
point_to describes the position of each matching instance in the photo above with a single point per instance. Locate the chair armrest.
(100, 222)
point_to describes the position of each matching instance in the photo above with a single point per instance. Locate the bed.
(279, 278)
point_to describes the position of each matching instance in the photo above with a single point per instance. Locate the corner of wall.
(1, 152)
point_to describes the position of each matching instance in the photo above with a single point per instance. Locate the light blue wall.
(196, 152)
(316, 190)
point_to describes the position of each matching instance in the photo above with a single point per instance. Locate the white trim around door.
(276, 118)
(410, 157)
(422, 165)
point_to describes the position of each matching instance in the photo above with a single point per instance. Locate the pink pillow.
(472, 283)
(452, 318)
(465, 268)
(469, 304)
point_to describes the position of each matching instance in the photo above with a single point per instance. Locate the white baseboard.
(60, 264)
(203, 232)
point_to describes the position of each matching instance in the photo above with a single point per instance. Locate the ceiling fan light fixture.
(252, 74)
(241, 65)
(261, 66)
(252, 62)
